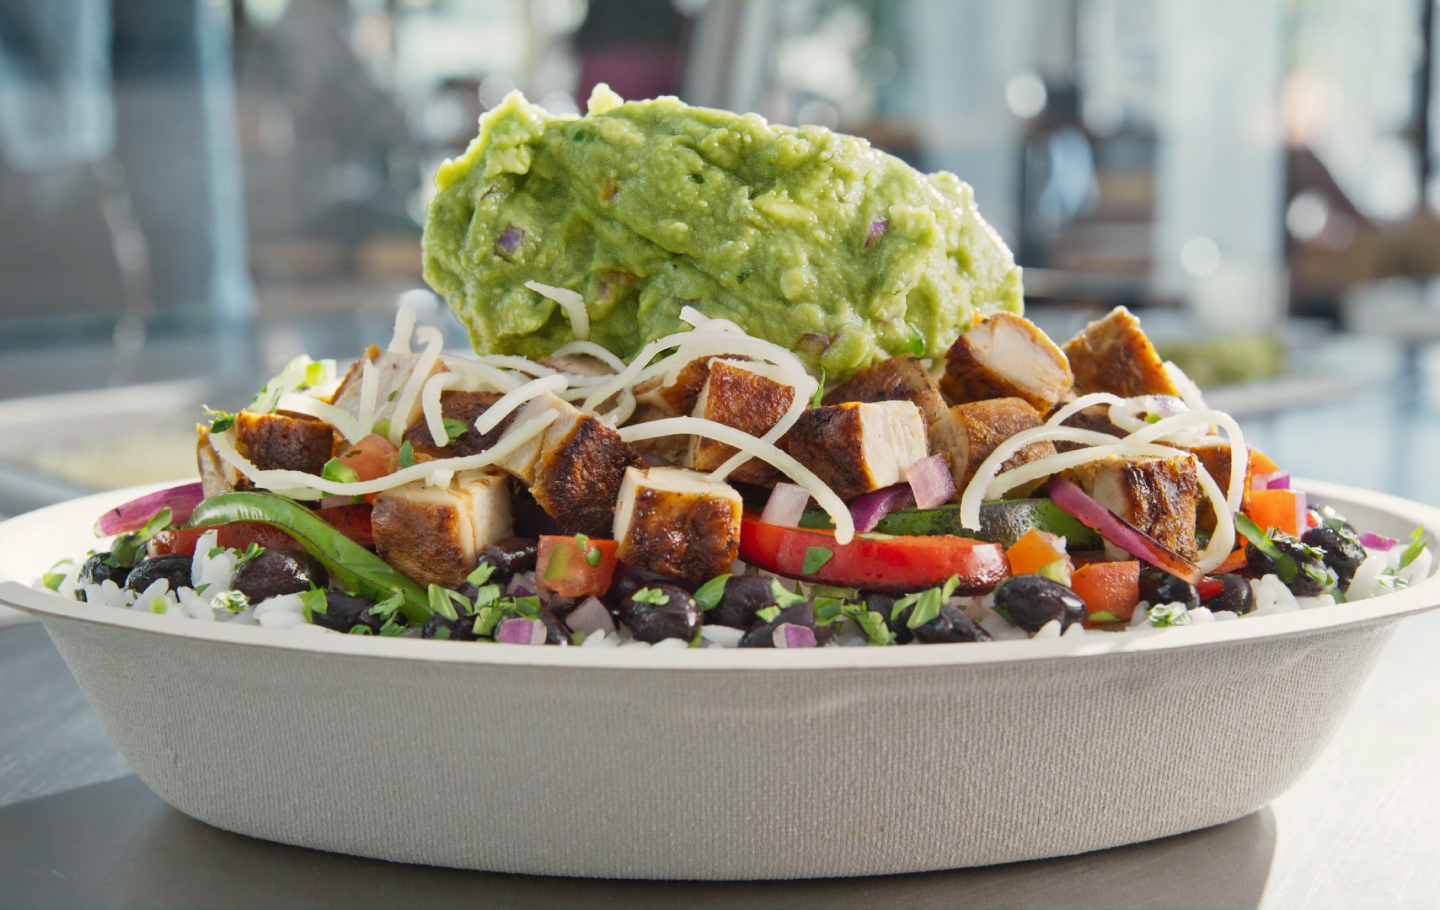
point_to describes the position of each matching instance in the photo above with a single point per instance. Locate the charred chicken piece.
(272, 442)
(392, 372)
(968, 433)
(900, 378)
(1156, 495)
(1095, 417)
(1006, 356)
(857, 447)
(676, 522)
(1113, 355)
(1214, 457)
(465, 407)
(574, 467)
(748, 397)
(436, 534)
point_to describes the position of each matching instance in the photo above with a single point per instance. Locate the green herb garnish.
(233, 601)
(220, 421)
(339, 472)
(1164, 616)
(388, 607)
(1284, 565)
(391, 628)
(783, 597)
(709, 594)
(407, 455)
(650, 596)
(381, 427)
(815, 558)
(391, 396)
(768, 614)
(358, 629)
(454, 429)
(315, 601)
(1417, 545)
(251, 553)
(128, 547)
(819, 391)
(52, 579)
(481, 574)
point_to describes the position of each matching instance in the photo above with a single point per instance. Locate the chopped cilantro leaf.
(815, 559)
(407, 455)
(784, 597)
(819, 391)
(592, 555)
(768, 614)
(315, 601)
(708, 595)
(651, 596)
(365, 630)
(440, 602)
(391, 396)
(454, 429)
(1248, 529)
(251, 553)
(129, 547)
(481, 574)
(381, 427)
(339, 472)
(220, 421)
(744, 275)
(1417, 545)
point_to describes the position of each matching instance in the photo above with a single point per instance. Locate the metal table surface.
(1361, 829)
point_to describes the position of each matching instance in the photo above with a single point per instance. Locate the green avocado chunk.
(1003, 521)
(808, 238)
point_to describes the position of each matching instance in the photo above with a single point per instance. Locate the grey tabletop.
(1361, 829)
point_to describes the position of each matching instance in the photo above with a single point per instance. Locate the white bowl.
(711, 764)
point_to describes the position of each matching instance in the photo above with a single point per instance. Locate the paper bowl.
(710, 764)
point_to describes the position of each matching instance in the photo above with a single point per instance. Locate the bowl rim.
(47, 605)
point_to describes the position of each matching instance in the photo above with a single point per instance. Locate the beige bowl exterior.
(637, 763)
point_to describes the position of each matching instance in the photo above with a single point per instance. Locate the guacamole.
(811, 239)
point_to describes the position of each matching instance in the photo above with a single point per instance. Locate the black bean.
(1343, 551)
(1311, 573)
(344, 612)
(277, 571)
(744, 596)
(174, 568)
(1160, 587)
(96, 571)
(884, 604)
(1031, 601)
(950, 626)
(676, 616)
(1236, 596)
(510, 557)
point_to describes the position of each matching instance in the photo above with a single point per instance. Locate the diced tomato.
(564, 567)
(236, 535)
(1283, 510)
(1312, 518)
(373, 456)
(1209, 587)
(1108, 587)
(353, 521)
(873, 562)
(1034, 550)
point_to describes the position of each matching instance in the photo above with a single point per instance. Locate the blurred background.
(192, 192)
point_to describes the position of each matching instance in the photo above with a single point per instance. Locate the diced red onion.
(1278, 482)
(518, 587)
(132, 516)
(786, 504)
(521, 632)
(931, 482)
(510, 238)
(789, 635)
(877, 230)
(1376, 542)
(1302, 513)
(1270, 480)
(1076, 502)
(590, 617)
(869, 509)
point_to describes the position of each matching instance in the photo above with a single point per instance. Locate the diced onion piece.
(572, 303)
(1276, 480)
(766, 452)
(1120, 532)
(931, 481)
(790, 635)
(291, 483)
(869, 509)
(516, 397)
(786, 504)
(430, 405)
(591, 349)
(404, 328)
(591, 617)
(1376, 542)
(434, 341)
(369, 396)
(339, 418)
(133, 515)
(521, 632)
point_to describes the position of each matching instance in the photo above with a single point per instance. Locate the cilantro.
(1165, 616)
(454, 429)
(485, 596)
(442, 633)
(1248, 529)
(819, 391)
(251, 553)
(1103, 616)
(815, 558)
(486, 620)
(695, 642)
(407, 455)
(391, 628)
(201, 589)
(709, 594)
(768, 614)
(528, 607)
(365, 630)
(220, 421)
(389, 606)
(650, 596)
(128, 547)
(481, 574)
(52, 578)
(926, 604)
(234, 601)
(744, 276)
(314, 601)
(391, 396)
(339, 472)
(828, 609)
(441, 603)
(1417, 546)
(872, 623)
(578, 638)
(215, 551)
(783, 597)
(381, 427)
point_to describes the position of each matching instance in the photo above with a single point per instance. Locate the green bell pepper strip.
(351, 564)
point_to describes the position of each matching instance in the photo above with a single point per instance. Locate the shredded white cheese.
(572, 303)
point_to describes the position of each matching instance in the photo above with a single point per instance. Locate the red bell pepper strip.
(873, 562)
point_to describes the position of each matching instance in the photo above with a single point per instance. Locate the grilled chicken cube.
(900, 378)
(435, 535)
(392, 373)
(1006, 356)
(748, 397)
(968, 433)
(1214, 457)
(1096, 418)
(677, 523)
(1113, 355)
(1157, 495)
(857, 447)
(271, 442)
(574, 467)
(679, 397)
(465, 407)
(661, 450)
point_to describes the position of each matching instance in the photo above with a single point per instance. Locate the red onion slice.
(181, 501)
(877, 230)
(789, 635)
(786, 504)
(1076, 502)
(869, 509)
(510, 238)
(931, 482)
(1278, 481)
(590, 617)
(521, 632)
(1376, 542)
